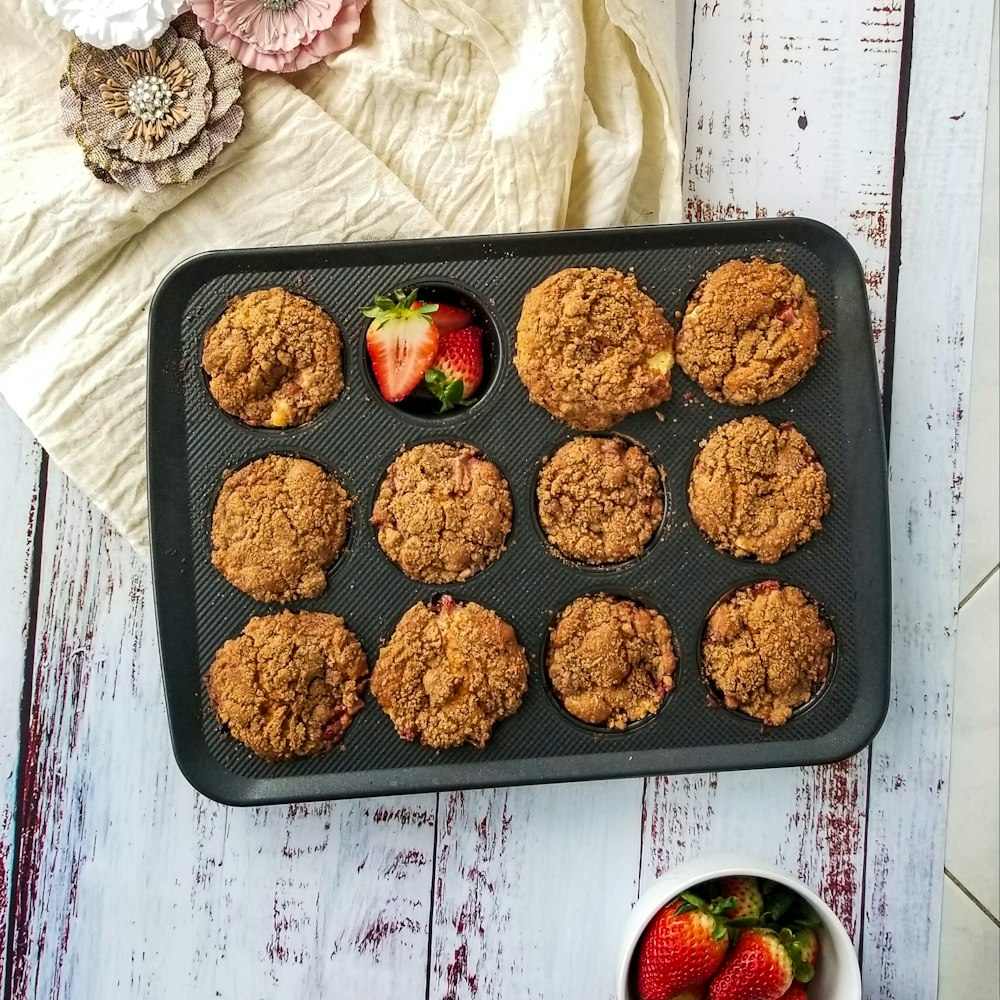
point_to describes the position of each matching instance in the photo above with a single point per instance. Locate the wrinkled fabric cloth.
(446, 118)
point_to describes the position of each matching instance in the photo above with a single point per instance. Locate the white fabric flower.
(107, 23)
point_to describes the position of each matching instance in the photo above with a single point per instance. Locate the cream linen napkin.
(447, 117)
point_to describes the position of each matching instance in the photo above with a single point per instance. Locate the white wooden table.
(118, 880)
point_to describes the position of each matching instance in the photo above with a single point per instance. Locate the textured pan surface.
(846, 566)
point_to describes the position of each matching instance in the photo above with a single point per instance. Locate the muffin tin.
(191, 442)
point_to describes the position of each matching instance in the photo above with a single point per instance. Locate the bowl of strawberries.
(725, 929)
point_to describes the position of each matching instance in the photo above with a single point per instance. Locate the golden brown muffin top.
(273, 359)
(593, 348)
(289, 685)
(757, 489)
(443, 512)
(767, 649)
(610, 660)
(449, 673)
(278, 524)
(599, 499)
(750, 332)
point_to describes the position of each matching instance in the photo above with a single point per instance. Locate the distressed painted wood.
(129, 884)
(20, 459)
(941, 204)
(532, 888)
(810, 821)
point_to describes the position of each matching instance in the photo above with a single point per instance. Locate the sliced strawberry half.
(402, 341)
(447, 318)
(457, 369)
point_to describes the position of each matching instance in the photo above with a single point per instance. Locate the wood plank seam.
(895, 212)
(28, 667)
(430, 912)
(888, 362)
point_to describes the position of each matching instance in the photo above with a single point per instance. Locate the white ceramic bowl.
(838, 976)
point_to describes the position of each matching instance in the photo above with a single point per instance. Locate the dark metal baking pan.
(845, 567)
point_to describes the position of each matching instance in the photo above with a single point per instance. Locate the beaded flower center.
(155, 97)
(149, 98)
(278, 5)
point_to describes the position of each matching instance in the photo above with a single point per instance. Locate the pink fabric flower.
(280, 36)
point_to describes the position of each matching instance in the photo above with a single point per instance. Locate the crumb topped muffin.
(289, 684)
(443, 512)
(611, 661)
(273, 359)
(751, 331)
(599, 499)
(279, 523)
(593, 348)
(758, 490)
(449, 673)
(767, 650)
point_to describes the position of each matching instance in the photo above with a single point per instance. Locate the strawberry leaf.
(400, 304)
(802, 970)
(448, 392)
(778, 905)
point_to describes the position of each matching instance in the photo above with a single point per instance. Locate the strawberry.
(695, 993)
(681, 948)
(457, 369)
(802, 946)
(447, 318)
(749, 900)
(757, 968)
(796, 992)
(402, 341)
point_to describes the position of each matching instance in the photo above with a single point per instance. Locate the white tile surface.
(970, 950)
(973, 844)
(981, 519)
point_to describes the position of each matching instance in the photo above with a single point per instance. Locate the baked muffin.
(757, 490)
(449, 673)
(443, 512)
(592, 348)
(610, 660)
(289, 684)
(766, 650)
(273, 359)
(599, 499)
(278, 524)
(750, 332)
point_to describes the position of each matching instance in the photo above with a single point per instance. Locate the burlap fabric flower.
(151, 117)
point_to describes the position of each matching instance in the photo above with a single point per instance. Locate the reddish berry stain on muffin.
(751, 331)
